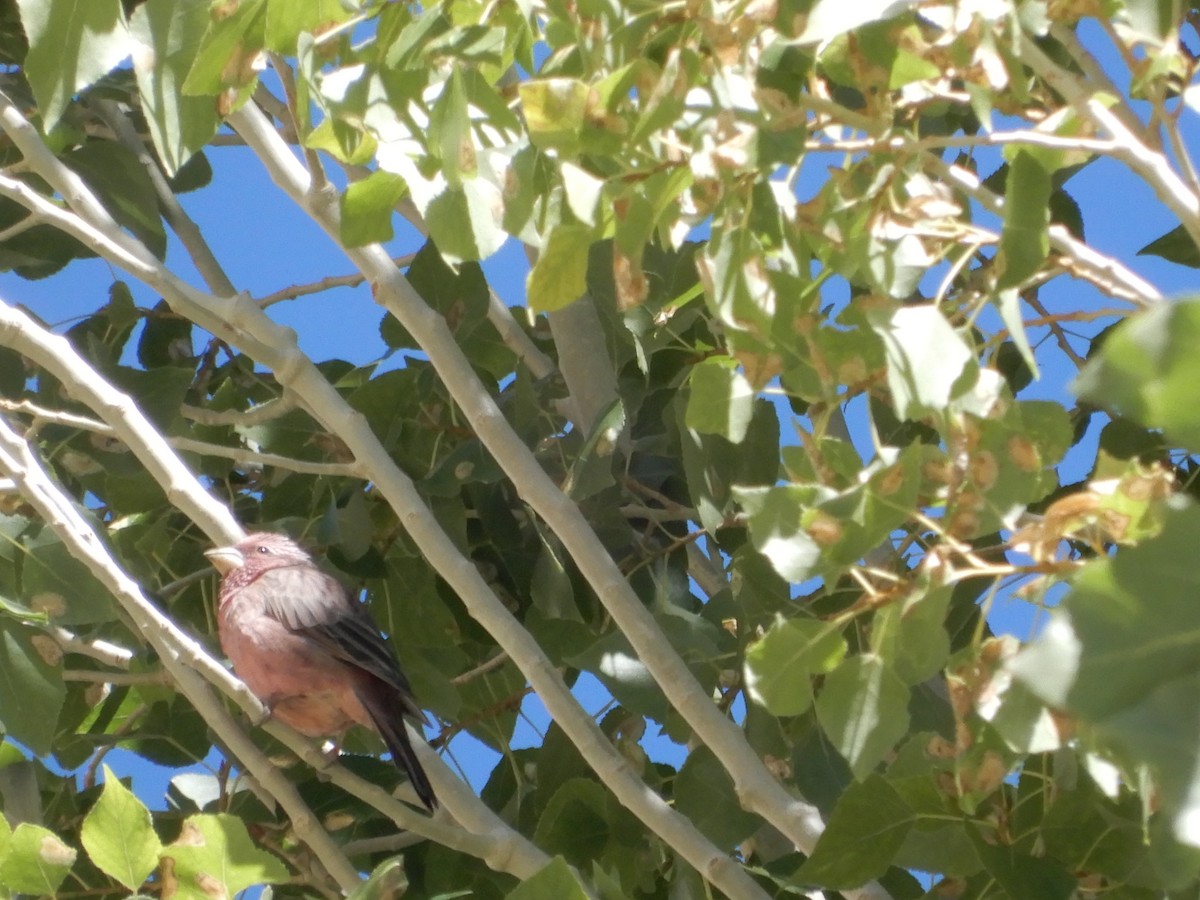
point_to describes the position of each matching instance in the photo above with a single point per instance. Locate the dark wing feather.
(316, 605)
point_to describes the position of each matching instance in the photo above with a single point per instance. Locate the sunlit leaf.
(91, 34)
(118, 835)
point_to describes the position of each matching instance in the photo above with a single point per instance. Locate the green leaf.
(861, 838)
(449, 133)
(72, 44)
(229, 51)
(928, 362)
(721, 400)
(704, 792)
(780, 665)
(215, 853)
(119, 836)
(559, 277)
(554, 111)
(911, 637)
(37, 861)
(465, 220)
(1123, 653)
(386, 882)
(166, 35)
(554, 881)
(166, 339)
(1023, 875)
(1176, 246)
(586, 825)
(863, 707)
(31, 690)
(1009, 304)
(734, 273)
(592, 470)
(775, 527)
(1025, 238)
(1147, 370)
(613, 662)
(367, 208)
(124, 187)
(286, 20)
(830, 18)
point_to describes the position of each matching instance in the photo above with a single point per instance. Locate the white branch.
(1085, 262)
(493, 841)
(99, 650)
(240, 322)
(1147, 162)
(20, 464)
(757, 788)
(256, 415)
(239, 455)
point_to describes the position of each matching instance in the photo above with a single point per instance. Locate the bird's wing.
(315, 605)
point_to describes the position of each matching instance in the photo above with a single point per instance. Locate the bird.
(310, 652)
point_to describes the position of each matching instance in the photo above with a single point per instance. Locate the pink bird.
(309, 652)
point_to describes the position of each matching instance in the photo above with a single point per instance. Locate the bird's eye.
(263, 549)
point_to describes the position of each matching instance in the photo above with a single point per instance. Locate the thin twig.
(256, 415)
(482, 669)
(181, 223)
(239, 455)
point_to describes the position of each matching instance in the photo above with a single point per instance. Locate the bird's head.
(256, 553)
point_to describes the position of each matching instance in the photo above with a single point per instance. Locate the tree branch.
(181, 223)
(20, 464)
(757, 788)
(1145, 161)
(239, 455)
(239, 321)
(493, 841)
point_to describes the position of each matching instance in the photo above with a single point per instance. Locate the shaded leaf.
(1123, 652)
(1025, 239)
(166, 35)
(554, 881)
(704, 792)
(1176, 246)
(863, 707)
(861, 838)
(779, 665)
(1147, 370)
(31, 689)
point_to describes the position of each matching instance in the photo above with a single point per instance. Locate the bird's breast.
(303, 685)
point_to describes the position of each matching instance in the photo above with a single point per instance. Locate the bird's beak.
(225, 559)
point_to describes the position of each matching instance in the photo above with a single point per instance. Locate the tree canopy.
(814, 367)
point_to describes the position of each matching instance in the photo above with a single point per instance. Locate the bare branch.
(99, 650)
(257, 415)
(181, 223)
(19, 462)
(239, 455)
(93, 676)
(757, 788)
(325, 284)
(1150, 164)
(239, 321)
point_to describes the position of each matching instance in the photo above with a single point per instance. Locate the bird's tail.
(389, 722)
